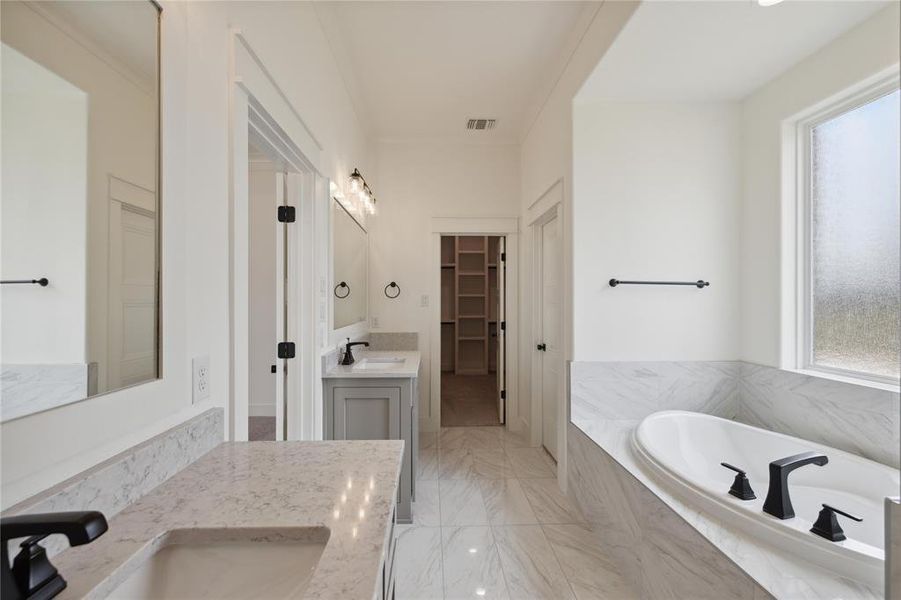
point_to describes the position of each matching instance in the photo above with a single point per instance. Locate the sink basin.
(224, 563)
(378, 364)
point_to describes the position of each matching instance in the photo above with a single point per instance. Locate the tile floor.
(490, 522)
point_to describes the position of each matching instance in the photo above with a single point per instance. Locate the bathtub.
(683, 451)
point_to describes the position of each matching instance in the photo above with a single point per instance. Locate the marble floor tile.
(490, 464)
(428, 440)
(485, 438)
(452, 438)
(591, 573)
(419, 571)
(472, 568)
(530, 566)
(426, 512)
(531, 463)
(461, 503)
(427, 466)
(516, 439)
(549, 503)
(455, 464)
(506, 503)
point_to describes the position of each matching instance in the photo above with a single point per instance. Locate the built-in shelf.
(467, 299)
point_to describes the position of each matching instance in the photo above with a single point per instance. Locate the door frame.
(260, 110)
(430, 414)
(554, 210)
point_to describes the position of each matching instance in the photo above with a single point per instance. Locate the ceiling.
(422, 69)
(707, 51)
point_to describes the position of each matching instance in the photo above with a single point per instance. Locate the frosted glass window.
(854, 270)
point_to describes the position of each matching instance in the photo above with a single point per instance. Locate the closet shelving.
(468, 304)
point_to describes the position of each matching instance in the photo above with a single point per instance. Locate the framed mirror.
(79, 203)
(351, 254)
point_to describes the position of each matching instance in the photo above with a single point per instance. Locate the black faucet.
(778, 502)
(348, 355)
(31, 576)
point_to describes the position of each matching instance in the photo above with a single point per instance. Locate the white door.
(551, 314)
(501, 329)
(132, 296)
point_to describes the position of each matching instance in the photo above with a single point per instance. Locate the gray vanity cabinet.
(376, 409)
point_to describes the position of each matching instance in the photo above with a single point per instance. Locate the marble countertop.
(347, 486)
(781, 574)
(409, 368)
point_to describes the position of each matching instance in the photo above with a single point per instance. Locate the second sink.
(378, 364)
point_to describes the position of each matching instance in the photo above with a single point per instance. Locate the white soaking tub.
(685, 450)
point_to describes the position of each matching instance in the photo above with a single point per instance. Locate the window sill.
(876, 385)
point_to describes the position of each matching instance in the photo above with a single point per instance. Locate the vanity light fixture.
(361, 191)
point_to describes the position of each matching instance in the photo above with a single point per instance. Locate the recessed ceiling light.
(768, 2)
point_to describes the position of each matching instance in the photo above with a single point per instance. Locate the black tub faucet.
(348, 355)
(778, 501)
(32, 576)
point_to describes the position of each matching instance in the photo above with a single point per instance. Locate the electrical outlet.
(200, 379)
(374, 322)
(424, 301)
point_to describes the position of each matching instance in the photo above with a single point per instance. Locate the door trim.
(430, 415)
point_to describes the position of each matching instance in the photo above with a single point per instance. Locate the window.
(852, 291)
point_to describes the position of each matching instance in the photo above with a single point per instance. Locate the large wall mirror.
(79, 205)
(350, 251)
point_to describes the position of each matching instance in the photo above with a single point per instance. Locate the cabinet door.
(366, 413)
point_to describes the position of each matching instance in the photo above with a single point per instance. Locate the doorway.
(267, 301)
(549, 324)
(473, 330)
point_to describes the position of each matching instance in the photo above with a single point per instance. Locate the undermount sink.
(378, 364)
(225, 563)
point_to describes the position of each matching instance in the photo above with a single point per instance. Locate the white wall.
(546, 162)
(195, 49)
(414, 182)
(863, 51)
(656, 197)
(44, 214)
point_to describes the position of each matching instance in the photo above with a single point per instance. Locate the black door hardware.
(827, 524)
(778, 501)
(287, 214)
(286, 350)
(32, 576)
(741, 487)
(542, 347)
(273, 369)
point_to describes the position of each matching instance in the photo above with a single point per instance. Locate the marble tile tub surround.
(667, 548)
(27, 389)
(116, 483)
(855, 418)
(256, 485)
(859, 419)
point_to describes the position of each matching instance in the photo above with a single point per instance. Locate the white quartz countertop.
(347, 486)
(403, 370)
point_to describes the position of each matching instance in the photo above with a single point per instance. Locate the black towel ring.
(392, 285)
(342, 285)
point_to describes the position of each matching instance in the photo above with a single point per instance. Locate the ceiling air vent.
(480, 124)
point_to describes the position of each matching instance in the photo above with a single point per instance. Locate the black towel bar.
(698, 284)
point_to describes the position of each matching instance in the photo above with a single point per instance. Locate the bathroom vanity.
(257, 519)
(375, 399)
